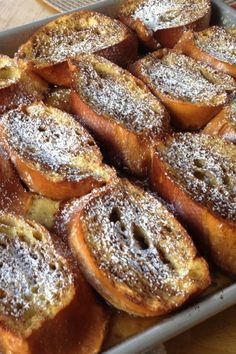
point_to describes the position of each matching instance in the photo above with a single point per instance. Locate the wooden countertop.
(218, 334)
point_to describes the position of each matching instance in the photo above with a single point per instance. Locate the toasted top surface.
(9, 71)
(114, 92)
(35, 280)
(53, 141)
(219, 42)
(137, 242)
(159, 14)
(69, 35)
(232, 111)
(205, 167)
(186, 79)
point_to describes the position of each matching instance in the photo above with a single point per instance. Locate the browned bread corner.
(53, 154)
(59, 97)
(162, 22)
(49, 48)
(132, 250)
(119, 110)
(13, 197)
(45, 306)
(197, 174)
(214, 45)
(192, 91)
(18, 85)
(224, 123)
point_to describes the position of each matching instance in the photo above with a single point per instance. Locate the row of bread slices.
(127, 244)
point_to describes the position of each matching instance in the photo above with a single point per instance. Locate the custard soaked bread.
(191, 90)
(214, 45)
(49, 48)
(197, 174)
(119, 110)
(53, 154)
(224, 124)
(132, 250)
(45, 307)
(162, 22)
(18, 85)
(13, 197)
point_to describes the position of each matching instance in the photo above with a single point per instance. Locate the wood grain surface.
(218, 334)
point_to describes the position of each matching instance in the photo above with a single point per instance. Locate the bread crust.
(187, 45)
(70, 224)
(166, 37)
(71, 330)
(13, 197)
(55, 185)
(122, 53)
(215, 235)
(21, 87)
(185, 115)
(125, 147)
(221, 125)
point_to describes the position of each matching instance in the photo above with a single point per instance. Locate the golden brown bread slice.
(49, 48)
(13, 197)
(45, 306)
(197, 174)
(59, 97)
(224, 123)
(191, 90)
(53, 154)
(18, 85)
(162, 22)
(132, 250)
(214, 45)
(119, 110)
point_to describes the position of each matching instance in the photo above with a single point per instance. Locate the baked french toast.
(45, 306)
(224, 123)
(53, 154)
(132, 250)
(192, 91)
(49, 48)
(196, 173)
(214, 45)
(162, 22)
(13, 197)
(119, 110)
(59, 97)
(18, 85)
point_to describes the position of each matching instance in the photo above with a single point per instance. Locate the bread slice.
(196, 173)
(49, 48)
(53, 154)
(191, 90)
(224, 124)
(214, 45)
(18, 85)
(13, 197)
(132, 250)
(45, 307)
(119, 110)
(59, 97)
(162, 22)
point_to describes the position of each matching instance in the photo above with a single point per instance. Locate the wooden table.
(218, 334)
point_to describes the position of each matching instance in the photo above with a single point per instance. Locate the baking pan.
(218, 298)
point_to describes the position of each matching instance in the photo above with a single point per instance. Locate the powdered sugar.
(159, 14)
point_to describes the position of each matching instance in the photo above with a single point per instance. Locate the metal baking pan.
(218, 298)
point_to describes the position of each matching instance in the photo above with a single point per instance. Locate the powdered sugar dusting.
(206, 167)
(33, 276)
(232, 115)
(159, 14)
(219, 42)
(114, 93)
(187, 79)
(54, 140)
(136, 242)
